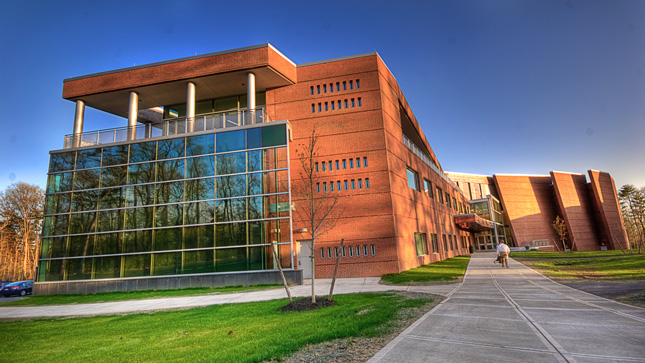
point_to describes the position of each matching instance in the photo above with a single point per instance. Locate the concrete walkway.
(518, 315)
(343, 286)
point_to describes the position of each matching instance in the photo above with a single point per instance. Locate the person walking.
(502, 253)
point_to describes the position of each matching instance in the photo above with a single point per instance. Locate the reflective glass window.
(170, 170)
(170, 192)
(143, 151)
(85, 201)
(169, 215)
(256, 207)
(137, 218)
(230, 141)
(256, 183)
(140, 195)
(55, 270)
(255, 160)
(196, 262)
(78, 269)
(170, 148)
(86, 179)
(58, 203)
(200, 167)
(136, 265)
(167, 239)
(62, 161)
(141, 173)
(253, 138)
(107, 244)
(81, 246)
(57, 247)
(199, 236)
(61, 182)
(90, 158)
(230, 234)
(200, 145)
(137, 241)
(107, 267)
(199, 189)
(230, 210)
(231, 186)
(114, 176)
(274, 135)
(231, 163)
(111, 198)
(82, 223)
(199, 213)
(115, 155)
(230, 259)
(111, 220)
(167, 263)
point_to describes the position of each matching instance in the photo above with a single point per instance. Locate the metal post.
(132, 115)
(79, 117)
(190, 107)
(148, 130)
(250, 96)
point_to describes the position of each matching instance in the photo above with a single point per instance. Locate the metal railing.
(169, 127)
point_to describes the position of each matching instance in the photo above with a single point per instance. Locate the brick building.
(196, 187)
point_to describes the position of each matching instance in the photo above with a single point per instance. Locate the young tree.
(632, 202)
(561, 229)
(317, 209)
(21, 210)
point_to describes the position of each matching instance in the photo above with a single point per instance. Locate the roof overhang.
(472, 222)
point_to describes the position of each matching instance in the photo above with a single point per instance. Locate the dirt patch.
(424, 283)
(355, 350)
(305, 304)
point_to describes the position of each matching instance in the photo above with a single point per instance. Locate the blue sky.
(498, 86)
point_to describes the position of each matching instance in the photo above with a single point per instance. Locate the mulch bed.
(305, 304)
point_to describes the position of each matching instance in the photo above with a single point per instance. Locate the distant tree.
(632, 203)
(21, 213)
(317, 209)
(561, 229)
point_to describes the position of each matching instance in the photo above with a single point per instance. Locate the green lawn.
(130, 295)
(447, 270)
(581, 254)
(606, 268)
(250, 332)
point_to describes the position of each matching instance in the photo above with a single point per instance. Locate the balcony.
(169, 127)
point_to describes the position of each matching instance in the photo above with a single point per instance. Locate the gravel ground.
(355, 350)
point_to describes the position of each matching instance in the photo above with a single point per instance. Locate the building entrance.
(484, 242)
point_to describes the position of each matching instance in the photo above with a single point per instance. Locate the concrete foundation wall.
(165, 282)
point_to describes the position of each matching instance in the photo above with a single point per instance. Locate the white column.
(250, 97)
(190, 107)
(79, 117)
(132, 115)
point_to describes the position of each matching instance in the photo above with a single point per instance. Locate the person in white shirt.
(502, 253)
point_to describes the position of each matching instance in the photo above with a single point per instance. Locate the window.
(450, 242)
(447, 198)
(326, 106)
(351, 163)
(365, 250)
(322, 253)
(316, 166)
(445, 243)
(344, 164)
(435, 246)
(335, 251)
(337, 167)
(358, 83)
(328, 252)
(358, 162)
(333, 105)
(346, 104)
(367, 182)
(331, 186)
(330, 166)
(325, 186)
(337, 86)
(360, 183)
(339, 105)
(365, 162)
(351, 84)
(318, 187)
(353, 103)
(413, 181)
(440, 195)
(319, 106)
(420, 243)
(360, 103)
(427, 187)
(454, 204)
(331, 87)
(312, 90)
(323, 166)
(373, 247)
(344, 86)
(353, 184)
(358, 251)
(313, 108)
(338, 185)
(344, 252)
(351, 251)
(345, 184)
(318, 89)
(454, 240)
(324, 88)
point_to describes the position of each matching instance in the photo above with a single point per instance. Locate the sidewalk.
(343, 286)
(515, 315)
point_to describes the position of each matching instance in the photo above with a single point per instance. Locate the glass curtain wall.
(201, 203)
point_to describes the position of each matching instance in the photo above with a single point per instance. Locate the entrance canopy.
(472, 222)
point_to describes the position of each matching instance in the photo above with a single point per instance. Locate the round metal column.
(250, 97)
(190, 107)
(132, 115)
(79, 117)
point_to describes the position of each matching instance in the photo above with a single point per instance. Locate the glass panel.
(225, 104)
(412, 179)
(283, 205)
(199, 237)
(231, 163)
(198, 213)
(81, 246)
(253, 138)
(62, 161)
(231, 186)
(167, 263)
(270, 182)
(112, 198)
(231, 259)
(60, 182)
(142, 173)
(282, 158)
(60, 224)
(136, 265)
(230, 210)
(270, 159)
(200, 189)
(86, 179)
(137, 241)
(199, 145)
(256, 208)
(230, 234)
(82, 223)
(196, 262)
(200, 167)
(78, 269)
(256, 233)
(170, 192)
(90, 158)
(54, 270)
(255, 184)
(114, 176)
(255, 160)
(230, 141)
(111, 220)
(84, 201)
(170, 148)
(274, 135)
(140, 195)
(143, 151)
(107, 267)
(115, 155)
(57, 247)
(58, 203)
(283, 181)
(170, 170)
(107, 244)
(169, 215)
(138, 218)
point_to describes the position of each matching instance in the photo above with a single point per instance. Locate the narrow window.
(353, 104)
(330, 166)
(346, 104)
(345, 184)
(317, 187)
(322, 253)
(373, 250)
(324, 186)
(338, 185)
(358, 162)
(358, 251)
(329, 252)
(324, 88)
(337, 168)
(318, 89)
(313, 107)
(333, 105)
(339, 105)
(323, 165)
(351, 251)
(326, 106)
(335, 251)
(360, 103)
(319, 107)
(344, 252)
(413, 179)
(365, 250)
(316, 166)
(344, 86)
(353, 184)
(365, 162)
(358, 83)
(351, 84)
(312, 90)
(331, 186)
(331, 87)
(360, 183)
(337, 86)
(344, 164)
(367, 182)
(351, 163)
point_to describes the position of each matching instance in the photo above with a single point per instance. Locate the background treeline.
(632, 203)
(21, 215)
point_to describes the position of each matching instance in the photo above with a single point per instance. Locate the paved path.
(343, 286)
(518, 315)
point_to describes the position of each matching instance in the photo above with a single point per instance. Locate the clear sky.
(497, 86)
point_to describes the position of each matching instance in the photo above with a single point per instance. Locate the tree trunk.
(284, 280)
(333, 278)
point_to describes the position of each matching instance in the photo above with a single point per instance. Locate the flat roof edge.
(337, 59)
(265, 45)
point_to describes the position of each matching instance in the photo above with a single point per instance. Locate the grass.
(250, 332)
(447, 270)
(636, 299)
(130, 295)
(580, 254)
(615, 268)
